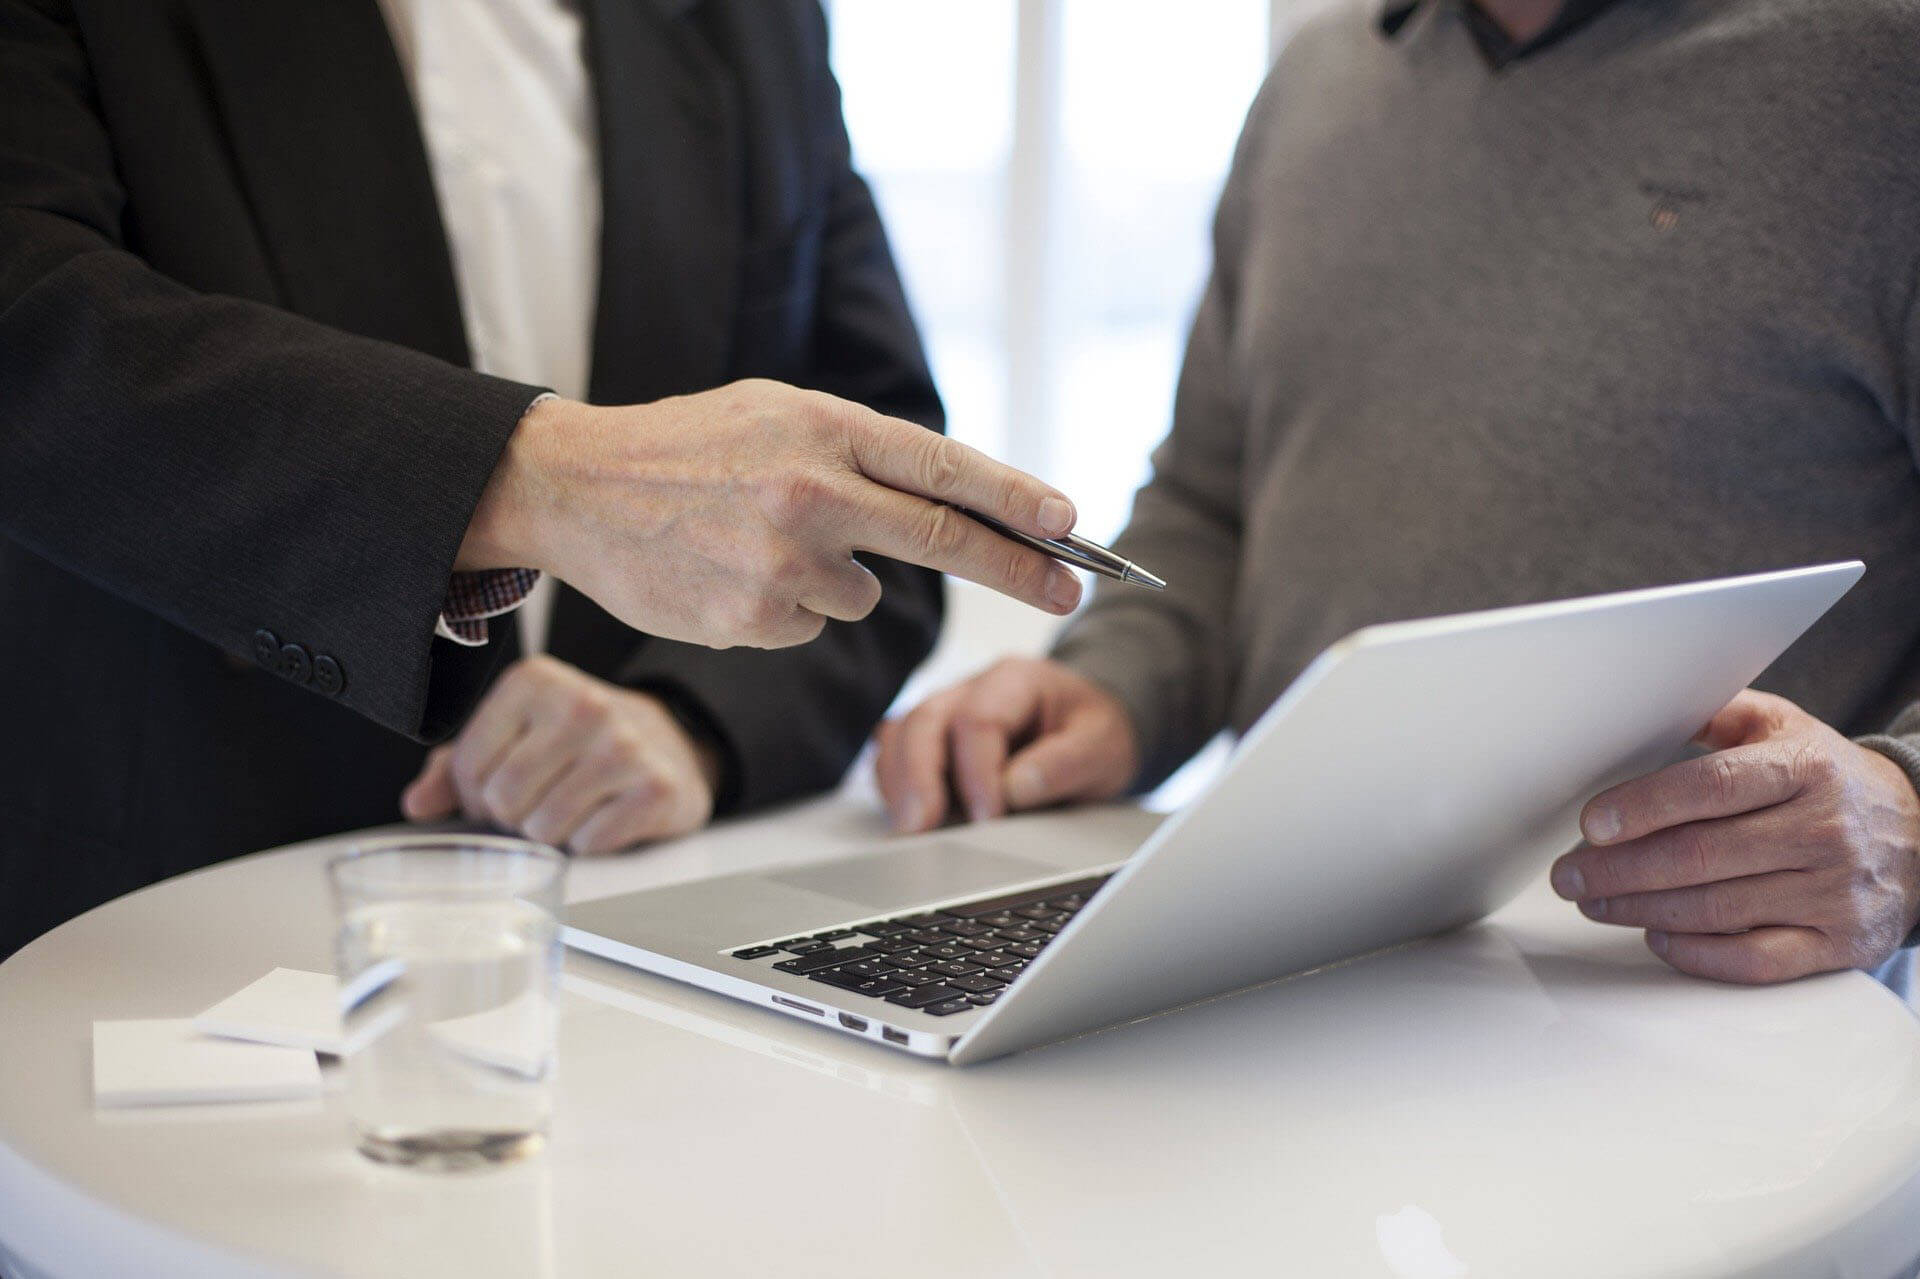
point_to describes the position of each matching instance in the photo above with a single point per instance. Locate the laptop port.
(783, 1001)
(853, 1023)
(893, 1036)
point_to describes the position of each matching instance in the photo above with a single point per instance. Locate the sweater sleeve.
(1166, 655)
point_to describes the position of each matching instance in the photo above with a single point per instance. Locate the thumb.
(1750, 717)
(1079, 761)
(431, 794)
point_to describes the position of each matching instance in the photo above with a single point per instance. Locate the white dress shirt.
(507, 113)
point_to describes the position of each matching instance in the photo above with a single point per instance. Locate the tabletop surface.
(1534, 1096)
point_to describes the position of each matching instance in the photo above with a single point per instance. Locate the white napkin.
(288, 1007)
(166, 1062)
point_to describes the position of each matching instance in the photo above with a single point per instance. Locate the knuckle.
(1716, 914)
(1722, 781)
(1693, 854)
(941, 532)
(498, 796)
(1026, 570)
(587, 709)
(939, 464)
(625, 752)
(795, 494)
(1862, 897)
(1813, 767)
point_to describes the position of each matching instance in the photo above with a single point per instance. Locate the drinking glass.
(449, 960)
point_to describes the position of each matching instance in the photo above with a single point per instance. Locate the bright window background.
(1047, 170)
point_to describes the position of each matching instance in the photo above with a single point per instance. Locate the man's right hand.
(1022, 734)
(731, 516)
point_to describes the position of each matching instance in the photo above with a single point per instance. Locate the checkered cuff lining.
(474, 597)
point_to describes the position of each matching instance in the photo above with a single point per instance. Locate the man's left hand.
(1788, 850)
(559, 756)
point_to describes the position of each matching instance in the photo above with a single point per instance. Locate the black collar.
(1496, 45)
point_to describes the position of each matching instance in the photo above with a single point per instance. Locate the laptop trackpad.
(939, 870)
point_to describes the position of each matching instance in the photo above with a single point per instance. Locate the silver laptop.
(1412, 779)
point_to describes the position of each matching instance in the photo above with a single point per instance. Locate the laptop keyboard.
(940, 962)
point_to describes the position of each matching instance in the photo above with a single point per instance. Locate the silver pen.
(1077, 551)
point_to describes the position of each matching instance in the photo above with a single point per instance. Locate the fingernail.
(1602, 824)
(1056, 516)
(1657, 943)
(1063, 588)
(1594, 908)
(1568, 882)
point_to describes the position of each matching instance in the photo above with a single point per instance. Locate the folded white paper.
(517, 1036)
(166, 1062)
(288, 1007)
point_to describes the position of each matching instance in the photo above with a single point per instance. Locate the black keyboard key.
(1011, 903)
(932, 919)
(923, 996)
(843, 980)
(946, 950)
(954, 968)
(800, 945)
(910, 959)
(890, 946)
(965, 928)
(814, 961)
(913, 977)
(1022, 933)
(1024, 949)
(756, 952)
(880, 986)
(927, 937)
(948, 1007)
(1028, 897)
(983, 999)
(833, 934)
(976, 985)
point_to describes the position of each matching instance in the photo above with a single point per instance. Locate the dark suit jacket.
(239, 445)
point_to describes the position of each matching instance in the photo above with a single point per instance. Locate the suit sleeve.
(1166, 655)
(233, 468)
(791, 721)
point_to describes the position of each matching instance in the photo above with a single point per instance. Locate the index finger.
(1723, 784)
(943, 537)
(915, 460)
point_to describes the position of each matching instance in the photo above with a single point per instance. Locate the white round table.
(1533, 1097)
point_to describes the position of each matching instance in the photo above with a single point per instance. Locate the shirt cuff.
(472, 598)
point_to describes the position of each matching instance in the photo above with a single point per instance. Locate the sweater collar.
(1495, 45)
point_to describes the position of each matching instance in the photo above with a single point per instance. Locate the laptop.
(1412, 779)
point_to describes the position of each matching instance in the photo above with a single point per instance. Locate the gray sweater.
(1638, 309)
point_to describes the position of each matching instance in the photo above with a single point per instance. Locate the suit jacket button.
(327, 675)
(266, 649)
(296, 663)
